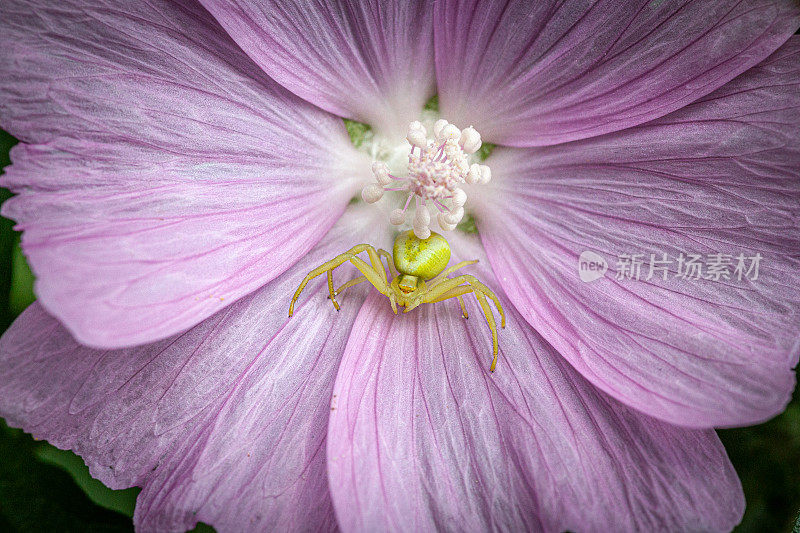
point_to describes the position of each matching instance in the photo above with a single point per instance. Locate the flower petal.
(718, 177)
(367, 60)
(166, 175)
(225, 423)
(423, 437)
(532, 75)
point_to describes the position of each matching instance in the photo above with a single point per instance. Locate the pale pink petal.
(720, 176)
(166, 175)
(423, 437)
(368, 60)
(225, 423)
(537, 73)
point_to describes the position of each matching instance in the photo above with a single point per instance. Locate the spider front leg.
(348, 284)
(332, 295)
(458, 295)
(456, 292)
(443, 276)
(457, 266)
(376, 276)
(389, 262)
(435, 293)
(452, 288)
(390, 265)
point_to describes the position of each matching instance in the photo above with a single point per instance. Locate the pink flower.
(181, 170)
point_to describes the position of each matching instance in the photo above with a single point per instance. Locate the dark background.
(46, 489)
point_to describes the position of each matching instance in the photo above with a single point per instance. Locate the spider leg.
(377, 263)
(487, 312)
(394, 273)
(445, 285)
(457, 292)
(486, 291)
(460, 290)
(377, 279)
(463, 307)
(443, 275)
(434, 292)
(332, 296)
(348, 284)
(389, 262)
(439, 279)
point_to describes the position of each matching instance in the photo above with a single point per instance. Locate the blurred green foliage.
(37, 496)
(46, 489)
(21, 291)
(8, 239)
(122, 501)
(767, 458)
(358, 132)
(43, 488)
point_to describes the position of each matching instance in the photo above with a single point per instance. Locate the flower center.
(437, 167)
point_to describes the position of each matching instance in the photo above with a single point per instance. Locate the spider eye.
(407, 283)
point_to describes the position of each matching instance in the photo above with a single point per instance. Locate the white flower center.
(436, 169)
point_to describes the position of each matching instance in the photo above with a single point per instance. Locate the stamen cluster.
(436, 169)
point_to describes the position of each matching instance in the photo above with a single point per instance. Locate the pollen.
(437, 168)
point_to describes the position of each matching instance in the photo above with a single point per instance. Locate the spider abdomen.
(424, 258)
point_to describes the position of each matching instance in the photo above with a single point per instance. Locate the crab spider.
(419, 276)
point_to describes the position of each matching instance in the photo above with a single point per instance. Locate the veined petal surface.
(423, 437)
(161, 175)
(699, 346)
(369, 60)
(539, 73)
(225, 423)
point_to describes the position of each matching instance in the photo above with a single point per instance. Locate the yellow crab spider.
(419, 276)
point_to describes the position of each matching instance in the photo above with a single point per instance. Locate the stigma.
(437, 168)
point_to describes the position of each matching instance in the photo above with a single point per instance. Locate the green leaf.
(485, 151)
(37, 495)
(40, 497)
(16, 280)
(358, 131)
(767, 459)
(8, 240)
(21, 292)
(468, 225)
(432, 104)
(122, 501)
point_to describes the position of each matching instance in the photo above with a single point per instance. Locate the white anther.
(474, 174)
(438, 126)
(417, 125)
(422, 217)
(422, 232)
(470, 140)
(372, 193)
(397, 217)
(462, 165)
(436, 171)
(444, 224)
(450, 132)
(459, 197)
(486, 174)
(454, 217)
(417, 136)
(381, 172)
